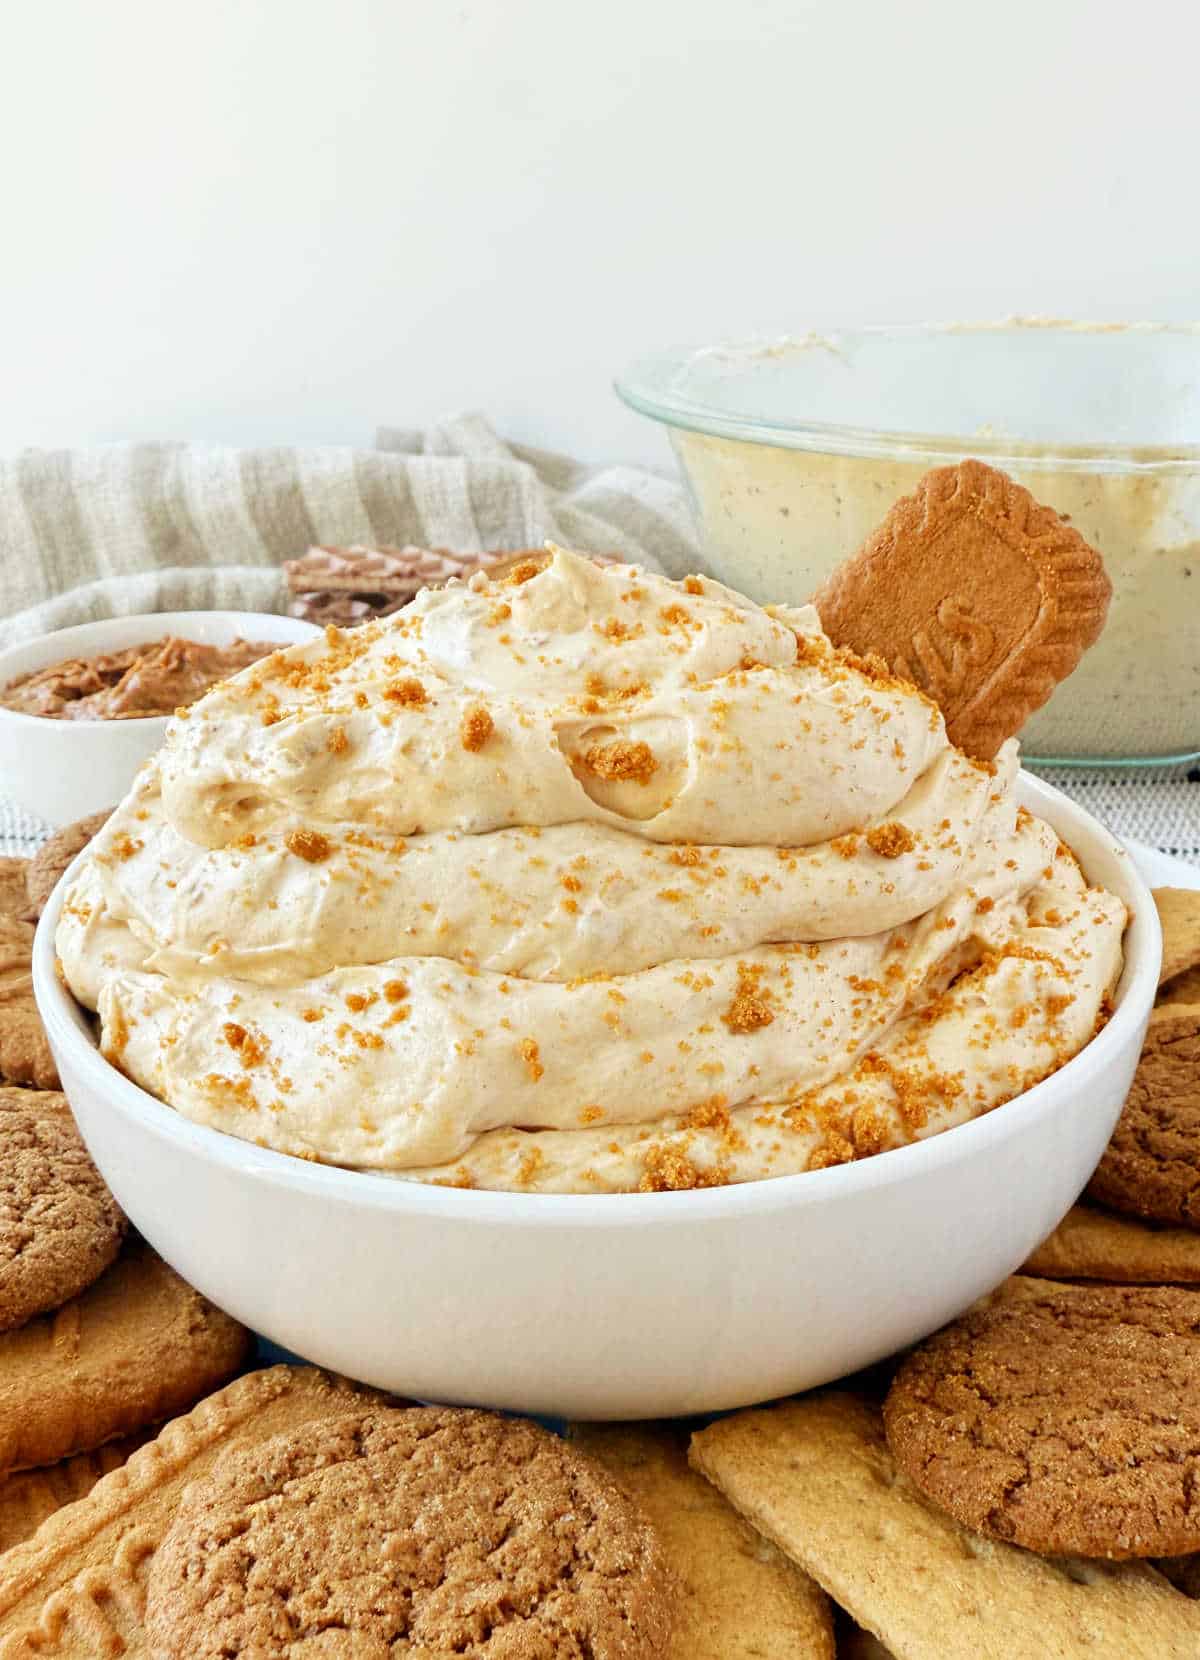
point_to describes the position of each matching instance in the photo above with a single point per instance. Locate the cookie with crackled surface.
(1151, 1166)
(1062, 1418)
(431, 1531)
(77, 1588)
(60, 1227)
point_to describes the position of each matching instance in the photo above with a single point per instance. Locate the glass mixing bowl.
(793, 450)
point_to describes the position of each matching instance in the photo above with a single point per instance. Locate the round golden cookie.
(1151, 1166)
(60, 1227)
(53, 857)
(1064, 1418)
(430, 1531)
(14, 900)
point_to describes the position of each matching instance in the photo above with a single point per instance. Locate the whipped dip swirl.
(581, 881)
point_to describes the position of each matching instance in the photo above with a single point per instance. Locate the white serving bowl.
(619, 1306)
(64, 769)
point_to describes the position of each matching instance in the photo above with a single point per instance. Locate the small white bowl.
(64, 769)
(630, 1305)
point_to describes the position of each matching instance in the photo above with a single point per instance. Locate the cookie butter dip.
(581, 880)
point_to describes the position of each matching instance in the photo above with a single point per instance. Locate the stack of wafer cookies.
(353, 585)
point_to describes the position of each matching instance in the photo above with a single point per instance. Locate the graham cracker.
(978, 594)
(77, 1589)
(383, 570)
(742, 1599)
(816, 1478)
(1179, 913)
(1093, 1244)
(136, 1347)
(27, 1498)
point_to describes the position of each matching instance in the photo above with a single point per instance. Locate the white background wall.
(265, 220)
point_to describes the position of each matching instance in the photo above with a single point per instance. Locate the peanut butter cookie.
(1064, 1418)
(430, 1531)
(60, 1227)
(1151, 1167)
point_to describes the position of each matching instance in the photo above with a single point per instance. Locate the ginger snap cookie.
(60, 1227)
(979, 595)
(816, 1477)
(1151, 1167)
(13, 897)
(741, 1598)
(53, 857)
(431, 1531)
(1064, 1418)
(76, 1589)
(1094, 1244)
(25, 1056)
(1179, 913)
(133, 1349)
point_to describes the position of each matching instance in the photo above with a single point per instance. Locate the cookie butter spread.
(581, 880)
(152, 679)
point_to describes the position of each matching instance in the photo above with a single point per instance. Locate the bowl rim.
(649, 387)
(332, 1184)
(157, 623)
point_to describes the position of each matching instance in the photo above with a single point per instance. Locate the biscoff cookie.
(52, 858)
(1064, 1418)
(976, 593)
(133, 1349)
(76, 1590)
(30, 1496)
(741, 1598)
(1179, 913)
(431, 1531)
(1092, 1244)
(25, 1056)
(816, 1477)
(60, 1227)
(1151, 1167)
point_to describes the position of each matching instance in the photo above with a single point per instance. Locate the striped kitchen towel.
(177, 526)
